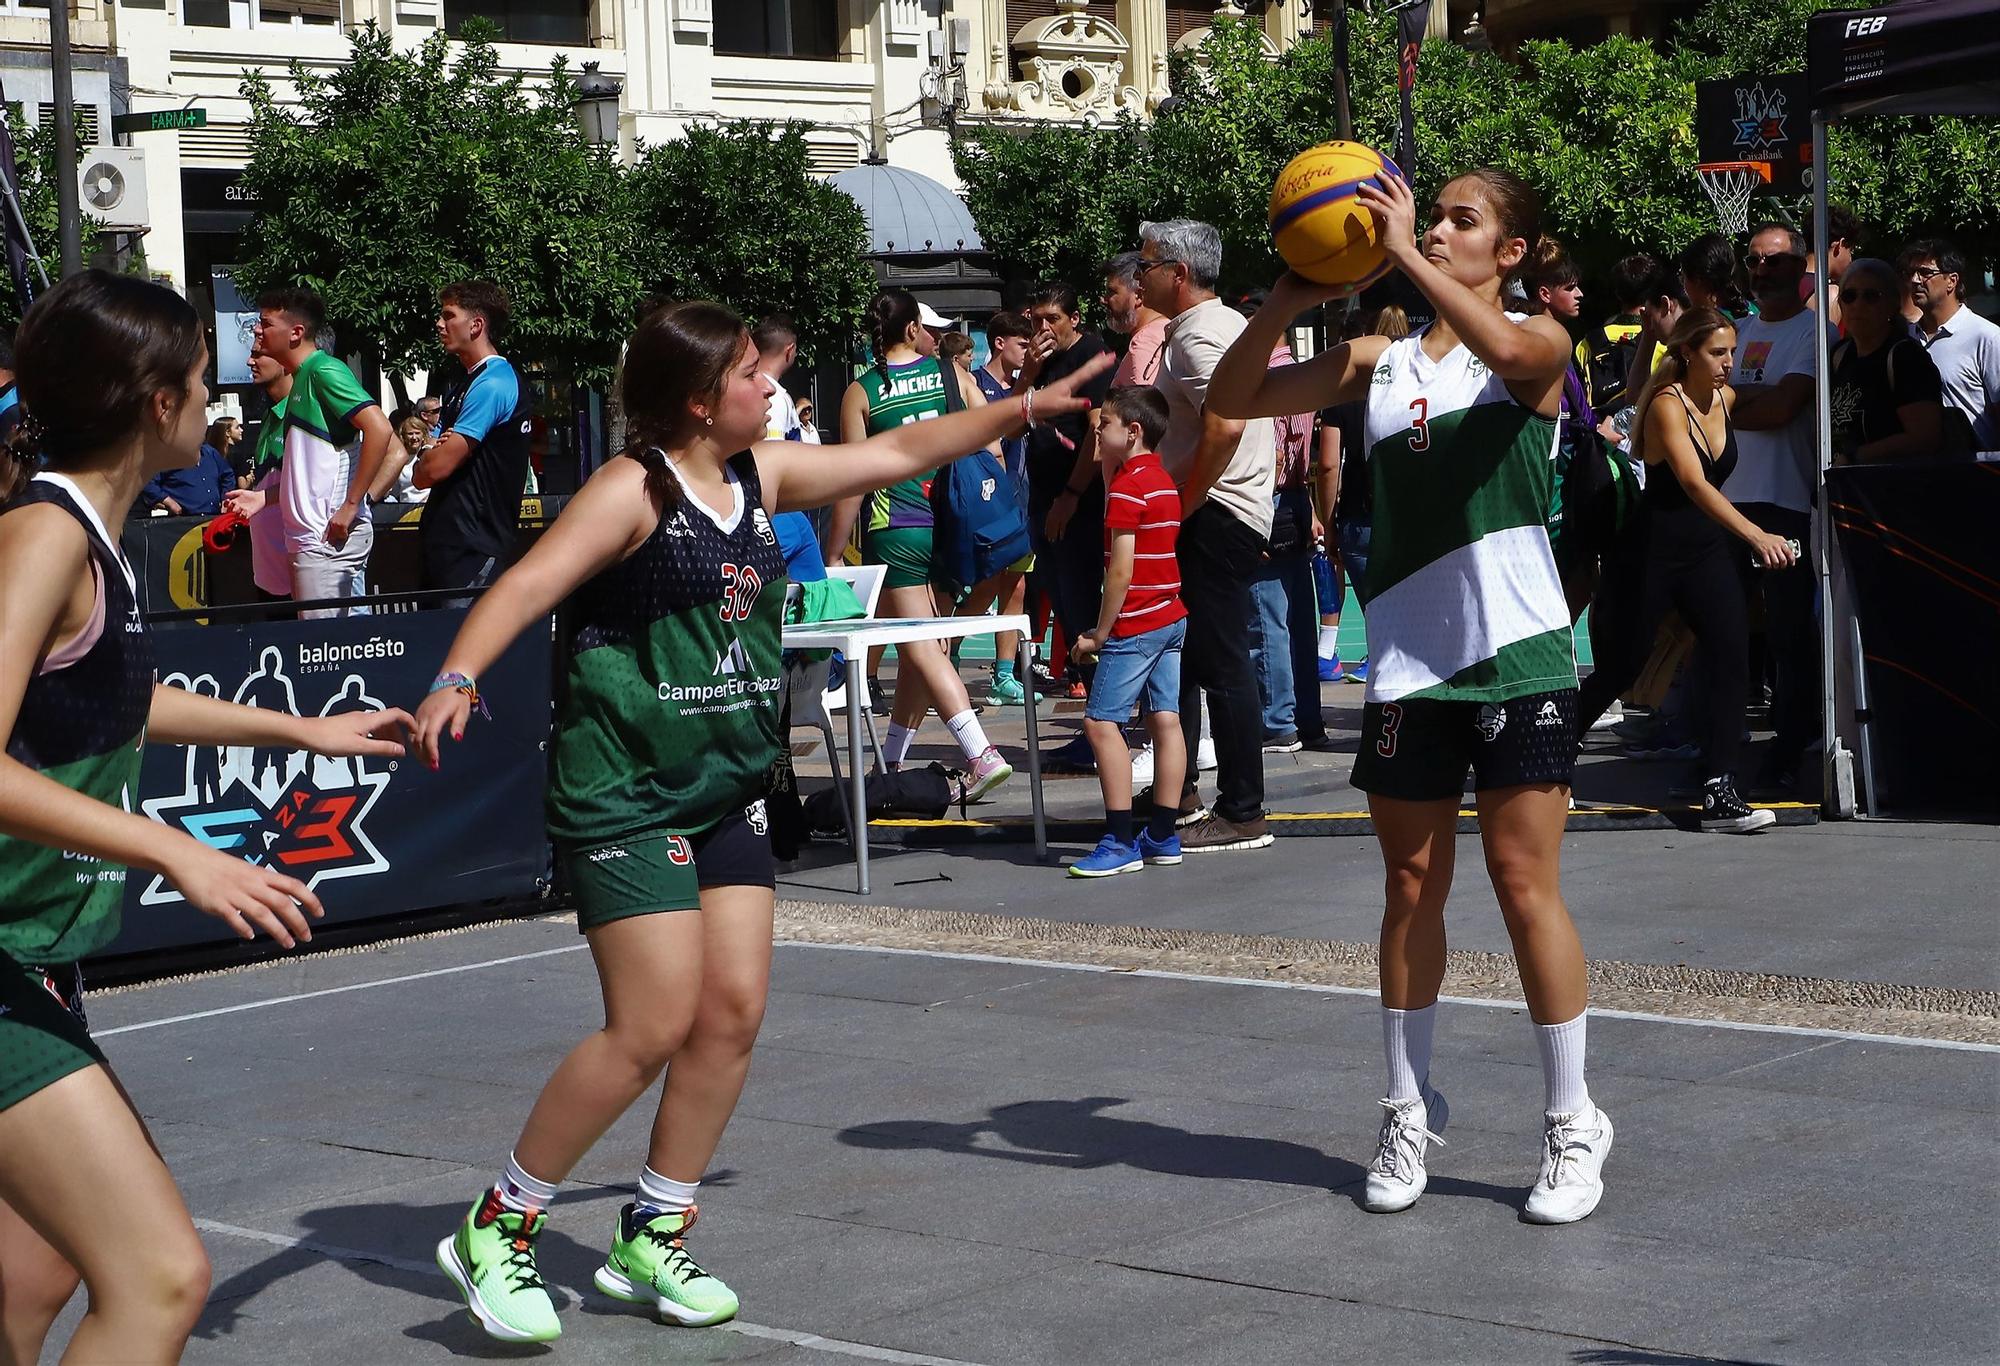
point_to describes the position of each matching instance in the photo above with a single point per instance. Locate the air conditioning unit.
(111, 188)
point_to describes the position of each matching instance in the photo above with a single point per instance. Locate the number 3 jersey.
(671, 718)
(1464, 602)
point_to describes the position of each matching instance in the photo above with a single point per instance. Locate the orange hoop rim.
(1761, 169)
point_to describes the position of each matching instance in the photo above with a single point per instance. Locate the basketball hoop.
(1730, 185)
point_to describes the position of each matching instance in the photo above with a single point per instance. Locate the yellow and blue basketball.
(1320, 228)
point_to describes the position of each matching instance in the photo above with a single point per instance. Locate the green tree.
(35, 161)
(733, 213)
(400, 171)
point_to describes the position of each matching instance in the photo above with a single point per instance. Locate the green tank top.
(670, 720)
(907, 393)
(82, 725)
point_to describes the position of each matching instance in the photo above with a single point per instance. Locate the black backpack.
(913, 793)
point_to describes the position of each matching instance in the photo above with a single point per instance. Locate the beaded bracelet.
(462, 683)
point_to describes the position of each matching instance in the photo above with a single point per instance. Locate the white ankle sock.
(965, 729)
(521, 1192)
(658, 1194)
(1406, 1044)
(1329, 642)
(896, 748)
(1562, 1066)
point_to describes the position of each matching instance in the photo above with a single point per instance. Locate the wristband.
(461, 683)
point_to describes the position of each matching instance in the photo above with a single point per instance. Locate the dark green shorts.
(653, 872)
(905, 550)
(43, 1037)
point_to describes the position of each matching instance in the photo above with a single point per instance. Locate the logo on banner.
(297, 813)
(1760, 119)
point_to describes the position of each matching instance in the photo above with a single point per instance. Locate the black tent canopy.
(1916, 58)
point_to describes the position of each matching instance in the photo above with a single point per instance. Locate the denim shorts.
(1129, 668)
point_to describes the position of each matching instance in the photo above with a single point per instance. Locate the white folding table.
(854, 639)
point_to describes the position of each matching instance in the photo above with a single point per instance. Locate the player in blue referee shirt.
(478, 467)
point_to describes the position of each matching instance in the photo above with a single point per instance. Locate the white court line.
(333, 991)
(1597, 1012)
(1055, 965)
(866, 1351)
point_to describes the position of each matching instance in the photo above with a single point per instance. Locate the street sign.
(159, 121)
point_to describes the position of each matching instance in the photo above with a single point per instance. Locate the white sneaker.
(1613, 715)
(1397, 1177)
(1142, 766)
(1572, 1181)
(1204, 756)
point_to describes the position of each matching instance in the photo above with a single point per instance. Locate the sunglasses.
(1925, 274)
(1756, 259)
(1870, 296)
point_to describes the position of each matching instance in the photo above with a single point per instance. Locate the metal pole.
(69, 220)
(1837, 764)
(1343, 117)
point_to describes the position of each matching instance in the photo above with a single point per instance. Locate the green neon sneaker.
(492, 1259)
(1006, 691)
(649, 1265)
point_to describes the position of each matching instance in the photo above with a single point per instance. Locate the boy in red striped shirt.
(1137, 640)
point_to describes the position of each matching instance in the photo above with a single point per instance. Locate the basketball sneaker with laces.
(1572, 1179)
(1397, 1176)
(649, 1264)
(491, 1258)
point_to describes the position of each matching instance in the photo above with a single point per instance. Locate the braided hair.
(890, 314)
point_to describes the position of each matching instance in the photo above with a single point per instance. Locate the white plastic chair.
(866, 581)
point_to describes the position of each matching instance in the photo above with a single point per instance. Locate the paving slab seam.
(1670, 991)
(840, 1346)
(1361, 1303)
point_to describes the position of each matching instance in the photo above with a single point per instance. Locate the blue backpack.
(980, 527)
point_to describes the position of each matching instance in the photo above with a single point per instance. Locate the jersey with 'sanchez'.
(671, 719)
(1464, 602)
(81, 724)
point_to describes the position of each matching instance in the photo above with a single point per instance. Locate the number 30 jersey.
(1464, 602)
(671, 718)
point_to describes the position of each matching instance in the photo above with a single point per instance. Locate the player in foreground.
(111, 375)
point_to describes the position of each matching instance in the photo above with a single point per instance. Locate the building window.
(778, 28)
(525, 21)
(22, 6)
(1183, 16)
(85, 116)
(298, 13)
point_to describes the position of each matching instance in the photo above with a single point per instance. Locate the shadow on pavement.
(1074, 1133)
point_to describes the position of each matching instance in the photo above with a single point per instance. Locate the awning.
(1920, 57)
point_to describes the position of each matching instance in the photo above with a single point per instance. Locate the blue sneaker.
(1166, 852)
(1357, 672)
(1329, 669)
(1111, 857)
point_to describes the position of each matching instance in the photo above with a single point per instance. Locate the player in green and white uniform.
(111, 370)
(1470, 653)
(667, 736)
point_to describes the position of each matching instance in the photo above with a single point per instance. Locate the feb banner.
(372, 837)
(1411, 22)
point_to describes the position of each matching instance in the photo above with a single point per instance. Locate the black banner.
(1924, 564)
(1411, 22)
(1919, 56)
(372, 837)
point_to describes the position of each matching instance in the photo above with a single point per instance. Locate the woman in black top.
(1680, 555)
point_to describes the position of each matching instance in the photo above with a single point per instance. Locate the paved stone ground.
(942, 1158)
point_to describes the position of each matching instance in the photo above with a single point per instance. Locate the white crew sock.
(965, 729)
(1406, 1044)
(521, 1192)
(1329, 642)
(897, 747)
(658, 1195)
(1562, 1066)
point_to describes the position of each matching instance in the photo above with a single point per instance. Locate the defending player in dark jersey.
(665, 741)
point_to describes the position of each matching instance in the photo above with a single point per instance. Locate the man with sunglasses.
(1964, 346)
(1776, 478)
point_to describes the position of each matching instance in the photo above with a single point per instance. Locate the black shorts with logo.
(1419, 751)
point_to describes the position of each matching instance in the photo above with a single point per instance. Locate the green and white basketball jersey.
(1464, 603)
